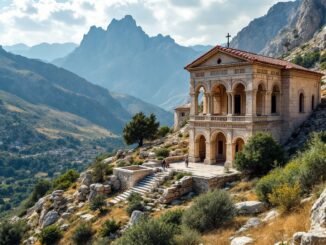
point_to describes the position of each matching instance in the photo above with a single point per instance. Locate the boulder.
(250, 207)
(109, 160)
(30, 241)
(151, 155)
(314, 238)
(86, 178)
(135, 216)
(251, 223)
(318, 212)
(50, 218)
(143, 154)
(271, 215)
(87, 217)
(33, 219)
(120, 153)
(64, 227)
(242, 240)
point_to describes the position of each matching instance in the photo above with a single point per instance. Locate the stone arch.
(239, 98)
(200, 147)
(237, 145)
(275, 99)
(201, 99)
(218, 146)
(219, 99)
(260, 99)
(237, 82)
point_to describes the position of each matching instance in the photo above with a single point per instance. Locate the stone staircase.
(315, 123)
(144, 186)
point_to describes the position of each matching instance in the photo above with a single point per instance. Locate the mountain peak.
(126, 22)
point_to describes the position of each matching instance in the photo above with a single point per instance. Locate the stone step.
(145, 189)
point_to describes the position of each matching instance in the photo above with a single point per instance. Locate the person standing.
(186, 161)
(163, 164)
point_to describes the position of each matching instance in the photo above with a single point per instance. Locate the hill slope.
(42, 51)
(125, 59)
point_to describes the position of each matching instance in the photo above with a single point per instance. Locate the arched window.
(312, 102)
(301, 103)
(275, 100)
(201, 101)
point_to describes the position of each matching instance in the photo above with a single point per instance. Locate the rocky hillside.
(124, 59)
(261, 31)
(285, 27)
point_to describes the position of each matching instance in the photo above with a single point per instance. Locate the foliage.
(83, 234)
(180, 175)
(140, 128)
(188, 237)
(305, 170)
(97, 203)
(173, 217)
(285, 196)
(50, 235)
(209, 211)
(109, 227)
(260, 155)
(40, 189)
(64, 181)
(162, 152)
(135, 202)
(100, 171)
(11, 233)
(163, 131)
(308, 60)
(147, 232)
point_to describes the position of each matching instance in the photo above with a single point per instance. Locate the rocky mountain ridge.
(124, 59)
(286, 26)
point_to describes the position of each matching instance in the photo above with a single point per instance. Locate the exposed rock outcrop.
(250, 207)
(317, 233)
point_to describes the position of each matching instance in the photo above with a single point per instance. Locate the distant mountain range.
(124, 59)
(286, 26)
(45, 84)
(43, 51)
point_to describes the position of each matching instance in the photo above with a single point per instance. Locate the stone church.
(235, 94)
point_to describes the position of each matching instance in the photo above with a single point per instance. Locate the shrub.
(163, 131)
(188, 237)
(64, 181)
(276, 178)
(173, 217)
(180, 175)
(83, 234)
(313, 162)
(109, 227)
(40, 189)
(97, 203)
(259, 155)
(285, 196)
(100, 170)
(209, 211)
(135, 202)
(162, 152)
(50, 235)
(148, 231)
(11, 233)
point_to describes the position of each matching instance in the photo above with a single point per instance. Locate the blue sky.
(189, 22)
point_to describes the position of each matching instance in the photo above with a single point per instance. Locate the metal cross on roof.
(228, 37)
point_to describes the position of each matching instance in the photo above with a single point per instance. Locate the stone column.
(191, 148)
(193, 104)
(230, 102)
(249, 103)
(268, 103)
(209, 158)
(208, 103)
(229, 150)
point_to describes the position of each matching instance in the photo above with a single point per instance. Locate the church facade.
(235, 94)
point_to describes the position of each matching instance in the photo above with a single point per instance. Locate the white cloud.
(187, 21)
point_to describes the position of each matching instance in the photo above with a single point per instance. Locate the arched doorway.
(201, 101)
(301, 103)
(260, 99)
(200, 148)
(238, 146)
(275, 100)
(239, 99)
(220, 100)
(218, 149)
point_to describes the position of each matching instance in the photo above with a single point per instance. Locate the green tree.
(50, 235)
(97, 203)
(83, 234)
(11, 233)
(260, 155)
(140, 128)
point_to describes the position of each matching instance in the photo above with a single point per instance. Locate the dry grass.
(222, 235)
(282, 228)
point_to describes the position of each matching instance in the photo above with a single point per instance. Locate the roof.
(183, 107)
(251, 57)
